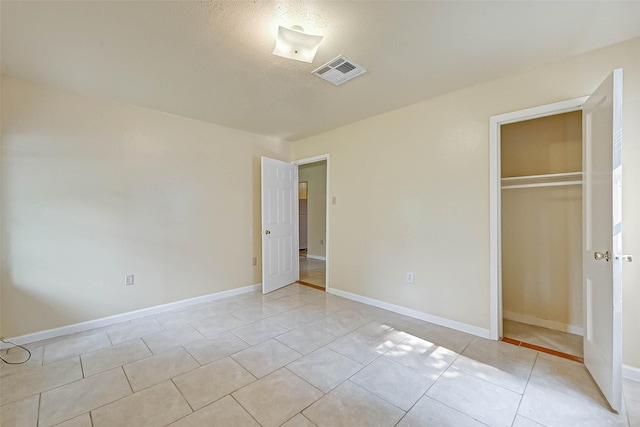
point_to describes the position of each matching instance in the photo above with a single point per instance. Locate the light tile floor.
(544, 337)
(297, 357)
(313, 271)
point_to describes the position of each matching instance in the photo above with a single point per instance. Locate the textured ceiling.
(212, 61)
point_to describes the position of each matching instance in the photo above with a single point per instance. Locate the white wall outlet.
(254, 261)
(409, 277)
(128, 280)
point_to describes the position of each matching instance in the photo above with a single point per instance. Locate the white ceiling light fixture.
(294, 43)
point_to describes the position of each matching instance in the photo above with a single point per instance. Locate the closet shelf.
(546, 180)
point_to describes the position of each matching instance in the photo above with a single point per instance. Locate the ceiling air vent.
(339, 70)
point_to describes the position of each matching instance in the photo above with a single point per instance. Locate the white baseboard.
(631, 373)
(106, 321)
(549, 324)
(463, 327)
(321, 258)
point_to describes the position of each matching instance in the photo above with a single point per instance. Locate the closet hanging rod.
(542, 184)
(544, 176)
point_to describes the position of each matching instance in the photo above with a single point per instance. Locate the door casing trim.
(495, 242)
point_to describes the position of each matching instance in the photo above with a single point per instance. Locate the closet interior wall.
(541, 164)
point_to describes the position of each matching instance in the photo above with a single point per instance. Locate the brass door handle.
(599, 255)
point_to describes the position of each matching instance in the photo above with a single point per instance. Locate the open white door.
(602, 222)
(280, 263)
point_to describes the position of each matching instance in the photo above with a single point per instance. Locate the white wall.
(93, 190)
(315, 174)
(421, 174)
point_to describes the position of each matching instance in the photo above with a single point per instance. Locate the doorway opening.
(313, 183)
(541, 229)
(536, 228)
(303, 220)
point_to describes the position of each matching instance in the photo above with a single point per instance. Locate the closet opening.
(540, 167)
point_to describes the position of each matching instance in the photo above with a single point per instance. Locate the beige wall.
(542, 227)
(315, 174)
(548, 145)
(93, 190)
(542, 256)
(421, 174)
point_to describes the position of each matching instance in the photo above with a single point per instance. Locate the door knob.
(599, 255)
(267, 232)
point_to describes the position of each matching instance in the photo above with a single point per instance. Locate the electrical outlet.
(128, 280)
(409, 277)
(321, 242)
(254, 261)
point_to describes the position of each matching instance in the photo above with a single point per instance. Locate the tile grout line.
(170, 378)
(298, 376)
(245, 409)
(194, 358)
(39, 405)
(127, 377)
(310, 404)
(109, 337)
(193, 411)
(148, 348)
(302, 354)
(535, 360)
(81, 366)
(450, 366)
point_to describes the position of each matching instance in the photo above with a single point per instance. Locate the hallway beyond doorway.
(312, 271)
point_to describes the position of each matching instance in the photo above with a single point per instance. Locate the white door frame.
(495, 196)
(315, 159)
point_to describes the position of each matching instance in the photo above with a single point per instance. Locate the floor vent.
(339, 70)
